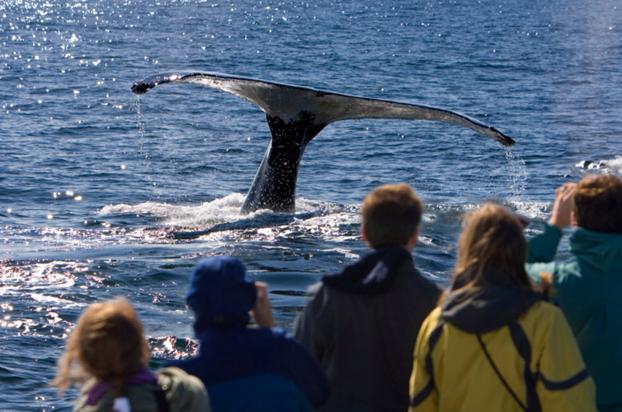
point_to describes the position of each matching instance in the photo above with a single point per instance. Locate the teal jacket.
(588, 289)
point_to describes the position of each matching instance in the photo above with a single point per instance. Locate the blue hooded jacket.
(243, 368)
(588, 288)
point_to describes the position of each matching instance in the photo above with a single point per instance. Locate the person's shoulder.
(182, 389)
(320, 296)
(81, 405)
(542, 315)
(544, 309)
(421, 282)
(318, 293)
(174, 373)
(274, 337)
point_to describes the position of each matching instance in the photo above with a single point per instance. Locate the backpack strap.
(429, 367)
(524, 349)
(161, 401)
(520, 341)
(499, 375)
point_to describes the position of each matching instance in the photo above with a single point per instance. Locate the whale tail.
(295, 116)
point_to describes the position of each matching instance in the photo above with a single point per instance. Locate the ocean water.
(105, 194)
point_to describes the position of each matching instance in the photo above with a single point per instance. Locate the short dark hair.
(598, 203)
(391, 215)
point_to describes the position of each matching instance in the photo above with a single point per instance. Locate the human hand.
(563, 205)
(262, 311)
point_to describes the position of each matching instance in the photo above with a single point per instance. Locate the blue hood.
(220, 294)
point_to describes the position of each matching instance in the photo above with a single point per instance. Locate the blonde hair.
(491, 250)
(390, 215)
(108, 343)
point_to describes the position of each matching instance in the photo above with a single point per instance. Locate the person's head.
(491, 250)
(108, 343)
(598, 203)
(221, 294)
(390, 216)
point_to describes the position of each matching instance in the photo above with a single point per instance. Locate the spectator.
(361, 324)
(588, 286)
(494, 344)
(244, 368)
(108, 353)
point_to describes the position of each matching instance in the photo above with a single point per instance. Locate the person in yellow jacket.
(494, 344)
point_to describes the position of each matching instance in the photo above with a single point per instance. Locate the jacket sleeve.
(563, 381)
(306, 373)
(312, 323)
(543, 247)
(423, 392)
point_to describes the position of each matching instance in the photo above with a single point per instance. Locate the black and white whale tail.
(295, 116)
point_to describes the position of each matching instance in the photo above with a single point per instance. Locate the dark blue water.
(103, 194)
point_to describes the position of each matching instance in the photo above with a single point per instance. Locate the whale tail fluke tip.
(505, 140)
(141, 87)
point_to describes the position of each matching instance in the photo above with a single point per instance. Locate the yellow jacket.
(464, 379)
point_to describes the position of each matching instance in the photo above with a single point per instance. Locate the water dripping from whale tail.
(517, 173)
(296, 115)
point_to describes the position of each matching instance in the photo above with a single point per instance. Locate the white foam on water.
(615, 165)
(531, 209)
(226, 209)
(607, 165)
(38, 276)
(348, 254)
(329, 225)
(41, 298)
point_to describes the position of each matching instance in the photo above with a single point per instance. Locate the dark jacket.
(588, 289)
(234, 362)
(362, 324)
(243, 368)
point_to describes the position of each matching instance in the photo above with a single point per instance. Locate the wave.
(608, 165)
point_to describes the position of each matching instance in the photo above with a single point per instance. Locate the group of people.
(515, 331)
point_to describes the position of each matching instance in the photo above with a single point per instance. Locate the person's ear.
(573, 219)
(363, 235)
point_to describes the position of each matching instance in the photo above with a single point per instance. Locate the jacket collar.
(99, 389)
(374, 273)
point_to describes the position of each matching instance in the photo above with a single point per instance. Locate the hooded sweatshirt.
(361, 325)
(469, 349)
(588, 289)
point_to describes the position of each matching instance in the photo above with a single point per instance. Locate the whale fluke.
(296, 115)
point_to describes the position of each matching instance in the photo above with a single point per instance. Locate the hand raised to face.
(262, 311)
(563, 206)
